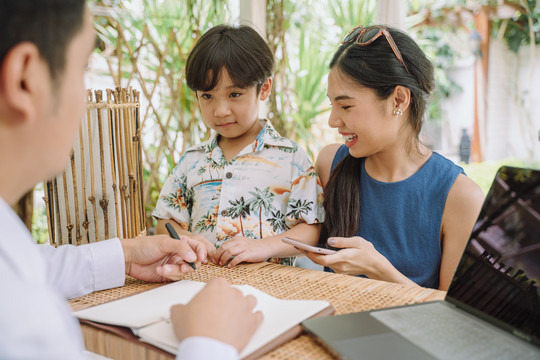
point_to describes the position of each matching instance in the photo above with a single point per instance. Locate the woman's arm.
(463, 204)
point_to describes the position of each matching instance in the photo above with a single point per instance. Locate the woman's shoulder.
(440, 170)
(464, 193)
(323, 164)
(328, 152)
(441, 161)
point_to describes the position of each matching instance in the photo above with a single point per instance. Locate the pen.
(174, 235)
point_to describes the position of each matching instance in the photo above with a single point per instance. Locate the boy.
(247, 186)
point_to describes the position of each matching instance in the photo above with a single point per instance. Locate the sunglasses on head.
(364, 36)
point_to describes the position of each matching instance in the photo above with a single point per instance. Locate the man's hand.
(210, 248)
(161, 258)
(232, 322)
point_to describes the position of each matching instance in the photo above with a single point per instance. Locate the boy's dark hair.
(241, 50)
(376, 67)
(49, 24)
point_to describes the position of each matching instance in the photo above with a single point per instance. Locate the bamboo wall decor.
(99, 195)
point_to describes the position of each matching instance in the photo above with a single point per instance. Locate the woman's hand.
(356, 257)
(359, 257)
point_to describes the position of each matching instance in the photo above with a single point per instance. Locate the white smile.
(349, 138)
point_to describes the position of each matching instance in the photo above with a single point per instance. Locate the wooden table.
(346, 293)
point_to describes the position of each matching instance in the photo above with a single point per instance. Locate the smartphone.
(313, 249)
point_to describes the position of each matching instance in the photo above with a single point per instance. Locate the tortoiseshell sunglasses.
(365, 36)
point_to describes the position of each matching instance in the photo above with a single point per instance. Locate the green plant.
(40, 229)
(523, 28)
(148, 49)
(309, 89)
(347, 14)
(436, 43)
(443, 43)
(483, 173)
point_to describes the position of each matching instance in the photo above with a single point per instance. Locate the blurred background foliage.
(144, 44)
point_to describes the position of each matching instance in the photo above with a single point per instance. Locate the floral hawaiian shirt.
(268, 188)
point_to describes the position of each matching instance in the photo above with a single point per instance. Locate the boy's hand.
(210, 248)
(232, 322)
(239, 249)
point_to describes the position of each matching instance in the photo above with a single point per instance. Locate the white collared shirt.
(35, 320)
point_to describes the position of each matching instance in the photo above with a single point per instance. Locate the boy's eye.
(345, 107)
(235, 95)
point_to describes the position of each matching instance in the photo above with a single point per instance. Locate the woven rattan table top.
(345, 293)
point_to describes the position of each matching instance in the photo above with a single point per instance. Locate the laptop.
(492, 307)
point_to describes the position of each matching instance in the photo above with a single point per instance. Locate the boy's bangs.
(241, 74)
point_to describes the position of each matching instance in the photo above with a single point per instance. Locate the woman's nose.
(334, 120)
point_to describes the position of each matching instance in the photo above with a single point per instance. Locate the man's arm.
(79, 270)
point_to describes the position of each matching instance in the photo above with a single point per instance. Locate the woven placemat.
(345, 293)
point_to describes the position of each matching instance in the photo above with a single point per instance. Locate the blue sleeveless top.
(403, 219)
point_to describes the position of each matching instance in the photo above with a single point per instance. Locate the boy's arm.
(306, 233)
(161, 229)
(240, 249)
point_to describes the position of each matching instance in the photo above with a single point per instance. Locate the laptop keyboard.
(448, 334)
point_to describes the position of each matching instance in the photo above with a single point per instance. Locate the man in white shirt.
(44, 50)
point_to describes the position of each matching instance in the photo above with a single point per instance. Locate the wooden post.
(113, 161)
(83, 176)
(92, 197)
(104, 202)
(483, 26)
(25, 208)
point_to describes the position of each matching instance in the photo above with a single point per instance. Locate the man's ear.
(401, 98)
(22, 73)
(266, 88)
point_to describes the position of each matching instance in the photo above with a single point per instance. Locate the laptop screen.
(499, 273)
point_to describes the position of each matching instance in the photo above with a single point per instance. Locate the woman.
(398, 211)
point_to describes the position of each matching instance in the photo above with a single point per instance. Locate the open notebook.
(147, 315)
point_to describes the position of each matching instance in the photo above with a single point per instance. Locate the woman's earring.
(397, 112)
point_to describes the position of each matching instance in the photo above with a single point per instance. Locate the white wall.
(513, 106)
(513, 112)
(458, 108)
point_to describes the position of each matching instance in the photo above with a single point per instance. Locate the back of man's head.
(49, 24)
